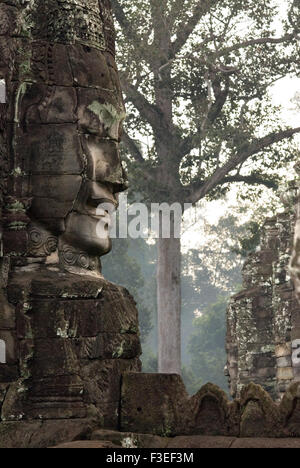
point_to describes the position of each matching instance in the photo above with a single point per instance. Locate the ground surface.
(111, 439)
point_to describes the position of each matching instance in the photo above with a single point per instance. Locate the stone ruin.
(263, 320)
(67, 335)
(69, 340)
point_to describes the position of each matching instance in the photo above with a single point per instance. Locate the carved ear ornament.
(41, 243)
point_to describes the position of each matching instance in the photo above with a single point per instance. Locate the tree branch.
(127, 28)
(133, 148)
(123, 21)
(249, 150)
(177, 5)
(147, 110)
(187, 26)
(251, 42)
(252, 179)
(221, 97)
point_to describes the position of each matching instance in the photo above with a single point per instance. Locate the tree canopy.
(196, 76)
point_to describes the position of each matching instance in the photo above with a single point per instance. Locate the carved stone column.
(68, 333)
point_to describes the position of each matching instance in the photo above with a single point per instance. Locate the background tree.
(133, 275)
(211, 273)
(196, 76)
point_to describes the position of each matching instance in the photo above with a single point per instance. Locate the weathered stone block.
(212, 414)
(102, 385)
(49, 105)
(54, 195)
(42, 434)
(90, 71)
(57, 387)
(110, 346)
(285, 373)
(283, 350)
(15, 242)
(265, 373)
(153, 403)
(296, 333)
(7, 314)
(260, 416)
(45, 409)
(8, 373)
(59, 72)
(285, 361)
(64, 156)
(159, 404)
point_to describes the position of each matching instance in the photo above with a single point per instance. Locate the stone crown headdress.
(88, 22)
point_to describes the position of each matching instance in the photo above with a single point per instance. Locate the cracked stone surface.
(263, 320)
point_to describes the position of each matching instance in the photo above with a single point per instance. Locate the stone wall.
(263, 320)
(68, 341)
(159, 405)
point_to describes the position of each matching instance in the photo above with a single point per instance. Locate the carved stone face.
(70, 127)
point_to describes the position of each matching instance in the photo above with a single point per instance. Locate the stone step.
(194, 442)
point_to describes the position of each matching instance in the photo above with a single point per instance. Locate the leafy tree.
(196, 76)
(150, 363)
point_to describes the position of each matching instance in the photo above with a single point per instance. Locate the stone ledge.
(159, 404)
(185, 442)
(42, 434)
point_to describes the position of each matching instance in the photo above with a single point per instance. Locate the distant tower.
(263, 320)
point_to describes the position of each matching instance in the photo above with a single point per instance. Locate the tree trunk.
(169, 305)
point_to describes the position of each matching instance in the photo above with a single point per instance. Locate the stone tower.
(67, 335)
(263, 320)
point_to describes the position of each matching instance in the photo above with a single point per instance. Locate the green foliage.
(208, 273)
(122, 268)
(198, 94)
(250, 240)
(150, 362)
